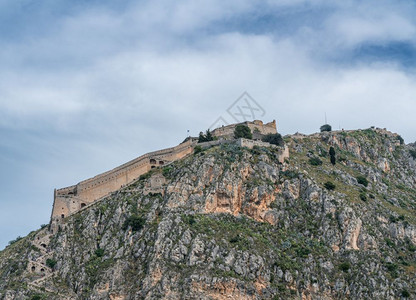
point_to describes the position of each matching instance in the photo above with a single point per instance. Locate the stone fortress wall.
(257, 127)
(71, 199)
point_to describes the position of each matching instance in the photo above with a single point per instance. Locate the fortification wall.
(71, 199)
(255, 126)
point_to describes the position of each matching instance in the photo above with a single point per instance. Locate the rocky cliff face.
(234, 223)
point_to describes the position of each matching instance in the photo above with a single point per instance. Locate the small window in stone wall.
(33, 269)
(83, 205)
(62, 216)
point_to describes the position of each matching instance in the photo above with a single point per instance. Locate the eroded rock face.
(233, 223)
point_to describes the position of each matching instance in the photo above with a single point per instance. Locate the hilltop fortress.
(69, 200)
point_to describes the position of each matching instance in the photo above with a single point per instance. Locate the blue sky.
(88, 85)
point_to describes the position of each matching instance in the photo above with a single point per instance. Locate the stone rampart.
(257, 127)
(71, 199)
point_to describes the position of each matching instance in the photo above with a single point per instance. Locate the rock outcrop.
(237, 223)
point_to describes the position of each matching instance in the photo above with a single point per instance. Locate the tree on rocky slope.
(242, 131)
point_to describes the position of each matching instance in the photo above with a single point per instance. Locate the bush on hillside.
(275, 139)
(242, 131)
(135, 222)
(401, 140)
(197, 149)
(207, 137)
(315, 161)
(329, 185)
(362, 180)
(51, 263)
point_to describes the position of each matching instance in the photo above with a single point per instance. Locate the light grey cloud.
(104, 85)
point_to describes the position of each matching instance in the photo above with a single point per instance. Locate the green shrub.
(315, 161)
(207, 137)
(326, 127)
(135, 222)
(363, 196)
(275, 139)
(189, 219)
(362, 180)
(393, 219)
(405, 294)
(242, 131)
(145, 176)
(234, 239)
(401, 140)
(303, 252)
(197, 149)
(345, 266)
(289, 174)
(166, 171)
(329, 185)
(51, 263)
(389, 242)
(413, 153)
(99, 252)
(342, 158)
(392, 268)
(15, 240)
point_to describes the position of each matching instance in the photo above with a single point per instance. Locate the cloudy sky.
(89, 84)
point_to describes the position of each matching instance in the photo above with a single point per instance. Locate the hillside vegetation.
(234, 223)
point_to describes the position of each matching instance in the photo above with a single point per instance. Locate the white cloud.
(113, 85)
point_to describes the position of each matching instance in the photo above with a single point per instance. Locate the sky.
(86, 85)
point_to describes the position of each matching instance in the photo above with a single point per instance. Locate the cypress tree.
(332, 155)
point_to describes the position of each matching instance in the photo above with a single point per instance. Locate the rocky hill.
(234, 223)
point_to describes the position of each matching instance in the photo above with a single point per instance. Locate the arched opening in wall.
(62, 216)
(152, 167)
(43, 245)
(33, 268)
(42, 270)
(83, 205)
(161, 163)
(153, 161)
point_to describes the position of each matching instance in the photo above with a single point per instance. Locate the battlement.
(71, 199)
(257, 127)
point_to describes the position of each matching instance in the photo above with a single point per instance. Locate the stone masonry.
(71, 199)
